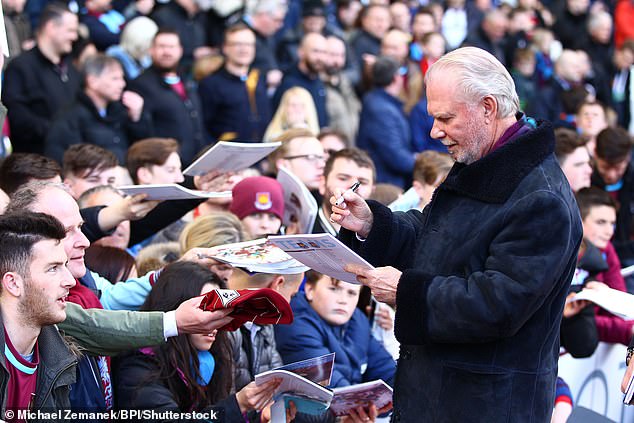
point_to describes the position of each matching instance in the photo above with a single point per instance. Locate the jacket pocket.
(474, 396)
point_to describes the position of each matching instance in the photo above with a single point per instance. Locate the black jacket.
(191, 29)
(228, 109)
(486, 270)
(170, 116)
(136, 388)
(34, 89)
(82, 123)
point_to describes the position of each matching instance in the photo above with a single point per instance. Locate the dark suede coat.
(486, 268)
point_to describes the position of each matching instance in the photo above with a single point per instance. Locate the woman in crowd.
(188, 372)
(296, 110)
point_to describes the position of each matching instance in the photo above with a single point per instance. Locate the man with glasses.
(302, 154)
(234, 100)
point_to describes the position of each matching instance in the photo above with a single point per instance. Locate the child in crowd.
(327, 320)
(259, 203)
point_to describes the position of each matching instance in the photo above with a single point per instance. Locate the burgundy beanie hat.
(257, 194)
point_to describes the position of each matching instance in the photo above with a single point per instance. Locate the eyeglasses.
(240, 44)
(313, 158)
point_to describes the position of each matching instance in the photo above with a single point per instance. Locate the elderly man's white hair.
(479, 74)
(253, 7)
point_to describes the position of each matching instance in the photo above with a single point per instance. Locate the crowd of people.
(491, 141)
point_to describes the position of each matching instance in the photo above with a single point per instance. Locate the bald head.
(395, 44)
(312, 53)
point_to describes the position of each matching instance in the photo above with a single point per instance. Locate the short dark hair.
(20, 168)
(236, 27)
(19, 232)
(82, 159)
(96, 64)
(326, 132)
(53, 12)
(147, 152)
(613, 145)
(111, 263)
(566, 142)
(166, 31)
(383, 71)
(360, 157)
(587, 198)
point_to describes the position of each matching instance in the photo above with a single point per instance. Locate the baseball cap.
(257, 194)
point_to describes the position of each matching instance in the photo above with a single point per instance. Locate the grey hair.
(479, 74)
(27, 195)
(253, 7)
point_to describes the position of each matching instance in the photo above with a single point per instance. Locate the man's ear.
(143, 175)
(276, 282)
(13, 283)
(490, 107)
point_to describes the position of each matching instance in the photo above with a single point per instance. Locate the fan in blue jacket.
(327, 320)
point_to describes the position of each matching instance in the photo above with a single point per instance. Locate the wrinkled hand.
(254, 397)
(382, 281)
(134, 103)
(353, 214)
(572, 308)
(190, 318)
(361, 415)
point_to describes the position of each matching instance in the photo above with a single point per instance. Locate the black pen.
(353, 188)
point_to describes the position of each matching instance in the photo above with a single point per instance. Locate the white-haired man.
(479, 278)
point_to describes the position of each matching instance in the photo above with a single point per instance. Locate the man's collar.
(494, 177)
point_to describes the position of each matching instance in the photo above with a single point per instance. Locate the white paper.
(629, 392)
(227, 156)
(170, 192)
(294, 383)
(299, 204)
(616, 302)
(321, 252)
(627, 271)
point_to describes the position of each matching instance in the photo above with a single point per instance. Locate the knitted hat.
(263, 306)
(257, 194)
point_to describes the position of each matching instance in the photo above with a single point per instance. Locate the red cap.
(257, 194)
(263, 306)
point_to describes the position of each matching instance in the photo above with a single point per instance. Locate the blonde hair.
(217, 228)
(137, 36)
(279, 122)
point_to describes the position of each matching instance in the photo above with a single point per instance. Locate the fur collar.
(494, 177)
